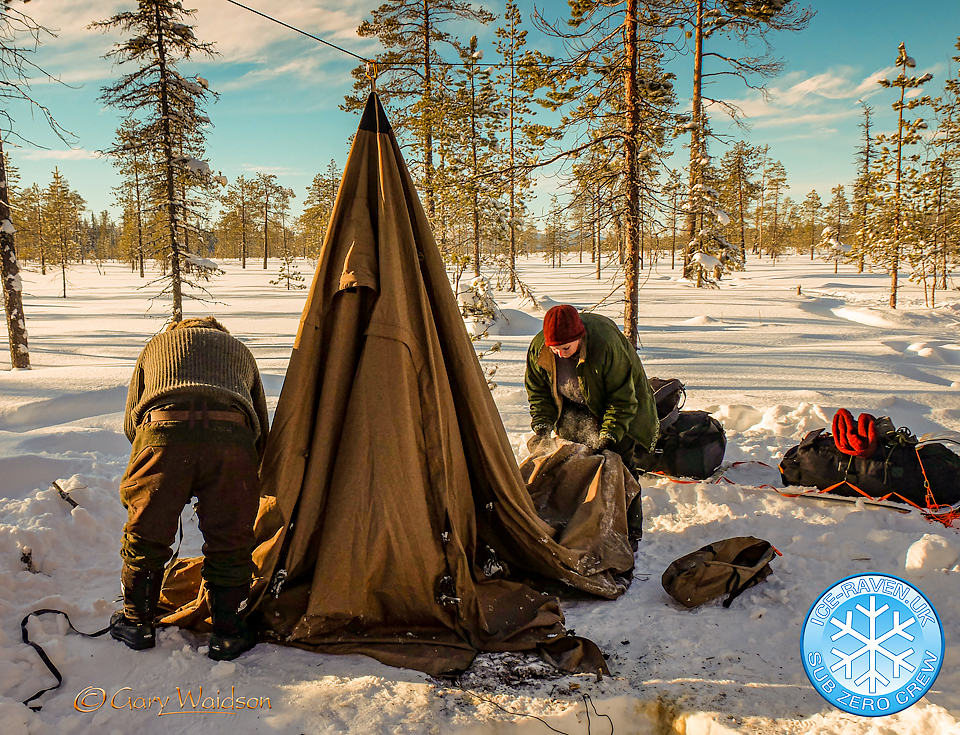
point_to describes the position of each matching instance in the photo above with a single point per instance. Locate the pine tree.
(709, 255)
(265, 189)
(168, 108)
(777, 185)
(281, 208)
(555, 232)
(836, 217)
(477, 102)
(737, 189)
(412, 32)
(616, 99)
(812, 206)
(318, 206)
(742, 21)
(888, 249)
(288, 275)
(238, 209)
(20, 36)
(522, 133)
(131, 156)
(61, 211)
(925, 231)
(946, 143)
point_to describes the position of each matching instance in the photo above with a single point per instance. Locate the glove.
(541, 441)
(601, 443)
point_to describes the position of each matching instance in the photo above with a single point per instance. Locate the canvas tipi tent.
(395, 521)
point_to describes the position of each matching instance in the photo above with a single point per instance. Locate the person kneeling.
(586, 381)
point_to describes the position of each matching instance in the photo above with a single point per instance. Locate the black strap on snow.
(43, 654)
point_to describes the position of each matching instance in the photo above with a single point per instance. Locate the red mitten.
(842, 427)
(857, 440)
(867, 429)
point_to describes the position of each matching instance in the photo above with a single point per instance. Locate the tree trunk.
(741, 196)
(632, 125)
(10, 274)
(475, 166)
(696, 139)
(428, 107)
(895, 259)
(176, 285)
(266, 213)
(512, 256)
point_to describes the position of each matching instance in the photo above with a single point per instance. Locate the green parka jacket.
(612, 380)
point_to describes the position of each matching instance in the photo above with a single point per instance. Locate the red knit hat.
(561, 325)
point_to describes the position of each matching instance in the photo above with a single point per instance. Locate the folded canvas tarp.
(395, 521)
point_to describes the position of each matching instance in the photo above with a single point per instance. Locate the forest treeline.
(640, 174)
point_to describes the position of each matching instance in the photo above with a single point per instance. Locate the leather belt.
(201, 416)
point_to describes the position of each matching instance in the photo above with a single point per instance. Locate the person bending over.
(197, 417)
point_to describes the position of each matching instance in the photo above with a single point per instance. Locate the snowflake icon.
(872, 645)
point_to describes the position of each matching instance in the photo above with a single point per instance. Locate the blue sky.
(280, 92)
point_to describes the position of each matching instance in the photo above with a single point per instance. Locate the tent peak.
(374, 118)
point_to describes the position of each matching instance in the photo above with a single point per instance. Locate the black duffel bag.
(897, 470)
(692, 446)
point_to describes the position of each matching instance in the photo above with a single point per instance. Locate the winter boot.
(231, 636)
(134, 624)
(635, 522)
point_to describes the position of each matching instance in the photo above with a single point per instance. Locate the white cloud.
(72, 154)
(306, 68)
(241, 35)
(814, 102)
(268, 169)
(238, 36)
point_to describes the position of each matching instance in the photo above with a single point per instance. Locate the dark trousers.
(176, 466)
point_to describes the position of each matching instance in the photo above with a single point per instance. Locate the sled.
(813, 493)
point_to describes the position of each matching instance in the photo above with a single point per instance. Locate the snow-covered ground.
(770, 362)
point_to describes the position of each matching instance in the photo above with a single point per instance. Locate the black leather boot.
(635, 522)
(134, 624)
(231, 636)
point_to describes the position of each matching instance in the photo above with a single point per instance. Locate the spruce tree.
(863, 187)
(168, 110)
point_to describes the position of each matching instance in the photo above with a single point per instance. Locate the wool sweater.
(196, 363)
